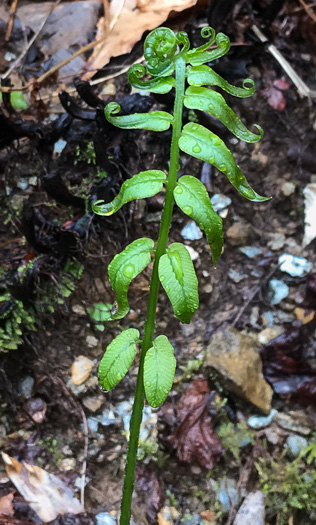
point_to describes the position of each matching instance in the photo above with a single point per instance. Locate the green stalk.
(136, 418)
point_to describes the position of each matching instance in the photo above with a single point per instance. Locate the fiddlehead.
(155, 85)
(199, 56)
(159, 49)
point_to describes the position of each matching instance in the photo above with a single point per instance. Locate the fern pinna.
(171, 64)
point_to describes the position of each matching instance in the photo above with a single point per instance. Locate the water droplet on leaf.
(178, 190)
(129, 270)
(148, 383)
(196, 148)
(188, 210)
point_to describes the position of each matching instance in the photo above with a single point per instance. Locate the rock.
(68, 464)
(252, 510)
(208, 515)
(78, 309)
(288, 188)
(104, 518)
(81, 369)
(93, 403)
(240, 234)
(220, 201)
(92, 341)
(278, 290)
(266, 335)
(296, 444)
(237, 359)
(90, 384)
(191, 232)
(227, 494)
(236, 276)
(277, 241)
(258, 422)
(36, 408)
(193, 253)
(25, 386)
(294, 266)
(164, 516)
(250, 251)
(295, 421)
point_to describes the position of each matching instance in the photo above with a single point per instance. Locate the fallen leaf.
(127, 26)
(286, 367)
(275, 96)
(46, 494)
(6, 505)
(194, 439)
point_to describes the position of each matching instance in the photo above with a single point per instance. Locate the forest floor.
(54, 255)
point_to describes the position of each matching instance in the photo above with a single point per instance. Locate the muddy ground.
(47, 224)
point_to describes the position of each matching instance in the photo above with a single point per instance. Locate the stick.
(11, 20)
(302, 88)
(308, 9)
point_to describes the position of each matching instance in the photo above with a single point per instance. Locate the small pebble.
(278, 290)
(277, 241)
(59, 146)
(193, 253)
(296, 444)
(258, 422)
(288, 188)
(191, 232)
(81, 369)
(250, 251)
(266, 335)
(104, 518)
(78, 309)
(92, 341)
(294, 266)
(236, 276)
(220, 201)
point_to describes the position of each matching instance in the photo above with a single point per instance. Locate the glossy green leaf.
(159, 85)
(177, 276)
(154, 121)
(205, 145)
(124, 268)
(205, 76)
(144, 184)
(214, 103)
(191, 196)
(118, 357)
(159, 369)
(196, 57)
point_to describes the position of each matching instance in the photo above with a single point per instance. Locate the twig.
(11, 20)
(302, 88)
(85, 454)
(34, 37)
(308, 9)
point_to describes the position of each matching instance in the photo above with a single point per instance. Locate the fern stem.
(153, 294)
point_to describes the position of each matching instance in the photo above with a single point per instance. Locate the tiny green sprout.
(170, 64)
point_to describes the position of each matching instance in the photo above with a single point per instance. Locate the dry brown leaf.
(133, 20)
(46, 494)
(194, 439)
